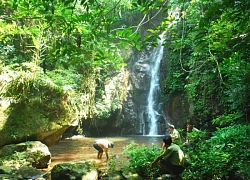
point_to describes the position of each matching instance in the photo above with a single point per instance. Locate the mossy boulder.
(24, 172)
(19, 123)
(32, 107)
(27, 172)
(5, 170)
(74, 170)
(30, 153)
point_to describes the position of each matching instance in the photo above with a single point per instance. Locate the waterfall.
(154, 105)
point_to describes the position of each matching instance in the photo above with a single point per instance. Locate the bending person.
(102, 145)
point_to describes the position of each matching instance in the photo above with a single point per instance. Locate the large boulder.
(22, 122)
(74, 170)
(27, 172)
(30, 153)
(32, 106)
(24, 172)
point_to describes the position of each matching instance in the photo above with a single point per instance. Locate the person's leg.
(178, 170)
(100, 155)
(172, 169)
(99, 149)
(166, 166)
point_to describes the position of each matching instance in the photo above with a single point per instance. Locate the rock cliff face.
(133, 118)
(135, 110)
(139, 82)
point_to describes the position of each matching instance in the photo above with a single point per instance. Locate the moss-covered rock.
(29, 173)
(31, 153)
(27, 122)
(5, 170)
(24, 172)
(74, 170)
(32, 107)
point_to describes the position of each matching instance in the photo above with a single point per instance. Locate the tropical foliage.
(140, 157)
(223, 156)
(67, 57)
(73, 45)
(209, 64)
(209, 59)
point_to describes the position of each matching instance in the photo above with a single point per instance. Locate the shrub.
(224, 156)
(140, 157)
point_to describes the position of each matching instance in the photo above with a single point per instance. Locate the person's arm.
(172, 136)
(155, 161)
(168, 151)
(163, 146)
(186, 142)
(106, 152)
(159, 157)
(175, 134)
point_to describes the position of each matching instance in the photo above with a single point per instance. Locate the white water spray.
(153, 106)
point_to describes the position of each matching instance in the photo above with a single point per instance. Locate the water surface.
(81, 148)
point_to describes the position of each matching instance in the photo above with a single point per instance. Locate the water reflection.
(80, 148)
(147, 140)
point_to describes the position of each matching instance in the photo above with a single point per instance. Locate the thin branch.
(142, 21)
(180, 54)
(217, 64)
(113, 8)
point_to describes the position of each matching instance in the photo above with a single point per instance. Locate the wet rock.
(74, 170)
(29, 173)
(24, 172)
(114, 175)
(131, 176)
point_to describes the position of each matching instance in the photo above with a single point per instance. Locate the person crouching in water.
(172, 159)
(102, 145)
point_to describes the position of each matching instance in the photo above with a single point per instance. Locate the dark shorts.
(98, 148)
(173, 168)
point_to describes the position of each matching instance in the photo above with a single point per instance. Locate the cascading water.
(154, 106)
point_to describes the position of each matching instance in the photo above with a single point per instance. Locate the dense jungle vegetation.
(78, 49)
